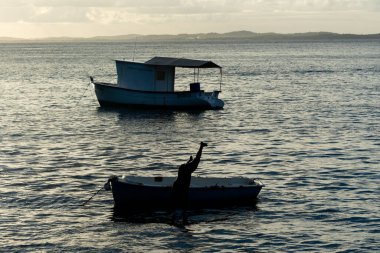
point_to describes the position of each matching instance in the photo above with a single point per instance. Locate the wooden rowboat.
(134, 192)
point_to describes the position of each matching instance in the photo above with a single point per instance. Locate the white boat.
(151, 84)
(135, 192)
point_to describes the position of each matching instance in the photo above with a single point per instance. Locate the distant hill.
(9, 39)
(236, 35)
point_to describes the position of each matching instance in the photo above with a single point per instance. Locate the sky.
(88, 18)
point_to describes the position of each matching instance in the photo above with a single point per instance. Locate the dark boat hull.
(132, 196)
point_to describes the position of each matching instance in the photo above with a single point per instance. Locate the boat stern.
(212, 99)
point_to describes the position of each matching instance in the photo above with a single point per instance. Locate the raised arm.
(194, 163)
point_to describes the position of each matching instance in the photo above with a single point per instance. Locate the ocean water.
(304, 117)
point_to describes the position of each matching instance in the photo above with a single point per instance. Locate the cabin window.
(160, 75)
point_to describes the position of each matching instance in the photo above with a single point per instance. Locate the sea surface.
(303, 116)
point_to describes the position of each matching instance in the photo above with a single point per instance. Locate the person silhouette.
(180, 189)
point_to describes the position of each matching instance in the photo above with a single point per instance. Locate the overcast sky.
(86, 18)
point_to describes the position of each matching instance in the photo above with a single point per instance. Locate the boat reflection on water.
(194, 216)
(141, 118)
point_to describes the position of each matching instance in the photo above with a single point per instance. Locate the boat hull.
(110, 95)
(138, 196)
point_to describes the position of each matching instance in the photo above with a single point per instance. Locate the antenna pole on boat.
(221, 79)
(134, 50)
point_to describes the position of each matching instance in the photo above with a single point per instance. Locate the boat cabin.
(156, 74)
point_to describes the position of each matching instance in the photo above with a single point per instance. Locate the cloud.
(326, 5)
(107, 17)
(117, 11)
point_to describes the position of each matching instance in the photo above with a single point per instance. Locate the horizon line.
(178, 34)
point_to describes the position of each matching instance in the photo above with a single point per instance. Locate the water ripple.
(302, 117)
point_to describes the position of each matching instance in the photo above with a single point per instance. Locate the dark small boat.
(133, 192)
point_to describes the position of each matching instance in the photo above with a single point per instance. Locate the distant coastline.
(237, 35)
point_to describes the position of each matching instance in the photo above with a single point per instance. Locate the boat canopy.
(181, 62)
(157, 74)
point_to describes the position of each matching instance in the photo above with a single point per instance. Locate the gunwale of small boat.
(196, 182)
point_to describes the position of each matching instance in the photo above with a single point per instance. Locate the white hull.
(111, 95)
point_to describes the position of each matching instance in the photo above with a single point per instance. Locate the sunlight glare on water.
(303, 117)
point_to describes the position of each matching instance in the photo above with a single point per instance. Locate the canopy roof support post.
(198, 76)
(194, 75)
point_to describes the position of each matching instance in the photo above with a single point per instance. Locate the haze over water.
(303, 117)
